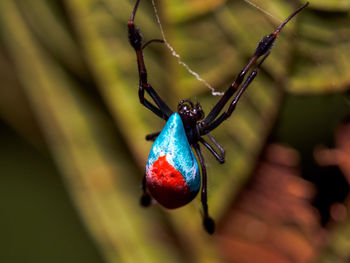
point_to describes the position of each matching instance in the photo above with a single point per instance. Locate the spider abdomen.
(167, 185)
(172, 172)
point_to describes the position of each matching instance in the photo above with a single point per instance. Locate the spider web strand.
(261, 10)
(179, 60)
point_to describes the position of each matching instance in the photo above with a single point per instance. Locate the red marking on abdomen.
(167, 185)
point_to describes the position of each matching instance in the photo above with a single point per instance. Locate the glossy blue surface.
(172, 142)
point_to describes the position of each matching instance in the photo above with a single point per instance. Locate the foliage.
(70, 65)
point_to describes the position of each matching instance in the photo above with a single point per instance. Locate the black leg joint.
(209, 225)
(240, 78)
(135, 36)
(145, 200)
(141, 94)
(143, 78)
(265, 45)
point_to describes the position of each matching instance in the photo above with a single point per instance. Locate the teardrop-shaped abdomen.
(172, 172)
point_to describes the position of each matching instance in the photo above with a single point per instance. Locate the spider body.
(172, 171)
(173, 177)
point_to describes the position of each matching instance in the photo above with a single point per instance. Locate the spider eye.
(185, 105)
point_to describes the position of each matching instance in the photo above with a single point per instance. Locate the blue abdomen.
(172, 172)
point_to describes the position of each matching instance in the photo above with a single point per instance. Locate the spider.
(173, 177)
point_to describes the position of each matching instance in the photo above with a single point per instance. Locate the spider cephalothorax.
(189, 112)
(190, 115)
(172, 175)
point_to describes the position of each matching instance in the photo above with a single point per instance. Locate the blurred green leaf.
(80, 140)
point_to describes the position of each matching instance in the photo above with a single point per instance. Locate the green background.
(72, 129)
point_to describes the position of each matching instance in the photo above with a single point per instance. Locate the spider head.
(190, 113)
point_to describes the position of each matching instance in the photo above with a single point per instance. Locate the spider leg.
(221, 149)
(152, 41)
(264, 47)
(220, 157)
(135, 39)
(208, 222)
(145, 199)
(228, 93)
(152, 136)
(234, 102)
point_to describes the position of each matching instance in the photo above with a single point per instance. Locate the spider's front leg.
(234, 102)
(135, 39)
(161, 110)
(262, 51)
